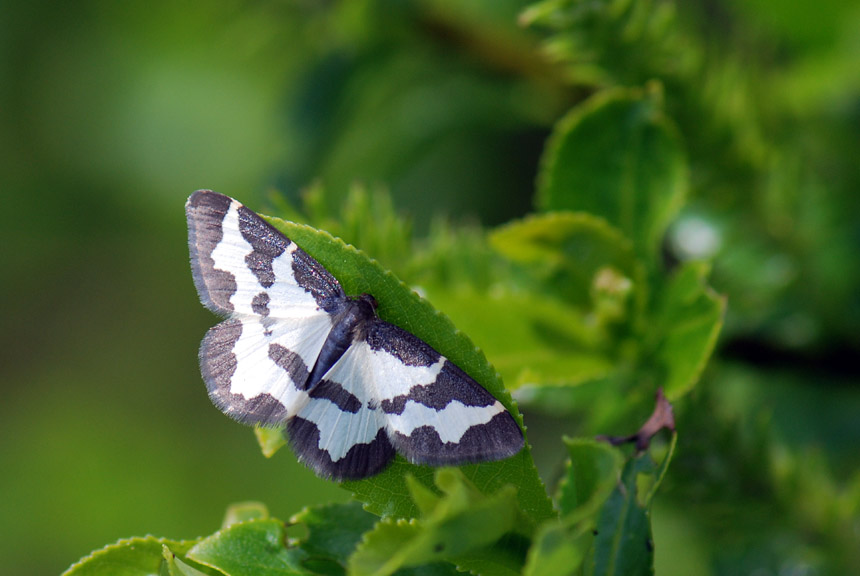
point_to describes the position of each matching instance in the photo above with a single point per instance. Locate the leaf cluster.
(586, 306)
(562, 298)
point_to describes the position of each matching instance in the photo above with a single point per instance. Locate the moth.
(295, 351)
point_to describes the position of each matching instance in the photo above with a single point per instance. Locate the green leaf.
(612, 42)
(244, 511)
(254, 548)
(128, 557)
(656, 479)
(567, 250)
(504, 558)
(388, 238)
(463, 521)
(623, 544)
(424, 497)
(270, 440)
(618, 157)
(554, 342)
(600, 293)
(174, 566)
(559, 548)
(387, 493)
(363, 217)
(334, 530)
(689, 319)
(381, 550)
(571, 254)
(592, 473)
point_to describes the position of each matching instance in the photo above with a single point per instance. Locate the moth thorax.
(357, 315)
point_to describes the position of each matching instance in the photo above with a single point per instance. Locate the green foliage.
(623, 542)
(249, 548)
(581, 287)
(611, 42)
(592, 474)
(616, 159)
(689, 319)
(675, 161)
(617, 156)
(568, 251)
(333, 530)
(130, 557)
(459, 523)
(173, 566)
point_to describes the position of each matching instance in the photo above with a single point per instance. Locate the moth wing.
(435, 413)
(277, 299)
(393, 392)
(340, 432)
(243, 265)
(389, 391)
(256, 368)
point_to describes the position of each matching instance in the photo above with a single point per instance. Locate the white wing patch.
(339, 428)
(389, 376)
(450, 423)
(287, 299)
(258, 373)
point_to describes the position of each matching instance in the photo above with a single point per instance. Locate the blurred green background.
(111, 113)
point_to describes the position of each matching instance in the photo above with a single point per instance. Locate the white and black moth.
(296, 350)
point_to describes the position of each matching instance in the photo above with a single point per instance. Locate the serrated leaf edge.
(148, 538)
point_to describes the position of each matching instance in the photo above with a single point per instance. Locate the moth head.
(369, 299)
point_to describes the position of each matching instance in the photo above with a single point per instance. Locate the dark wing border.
(361, 461)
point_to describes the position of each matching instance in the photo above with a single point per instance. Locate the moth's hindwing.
(340, 432)
(256, 371)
